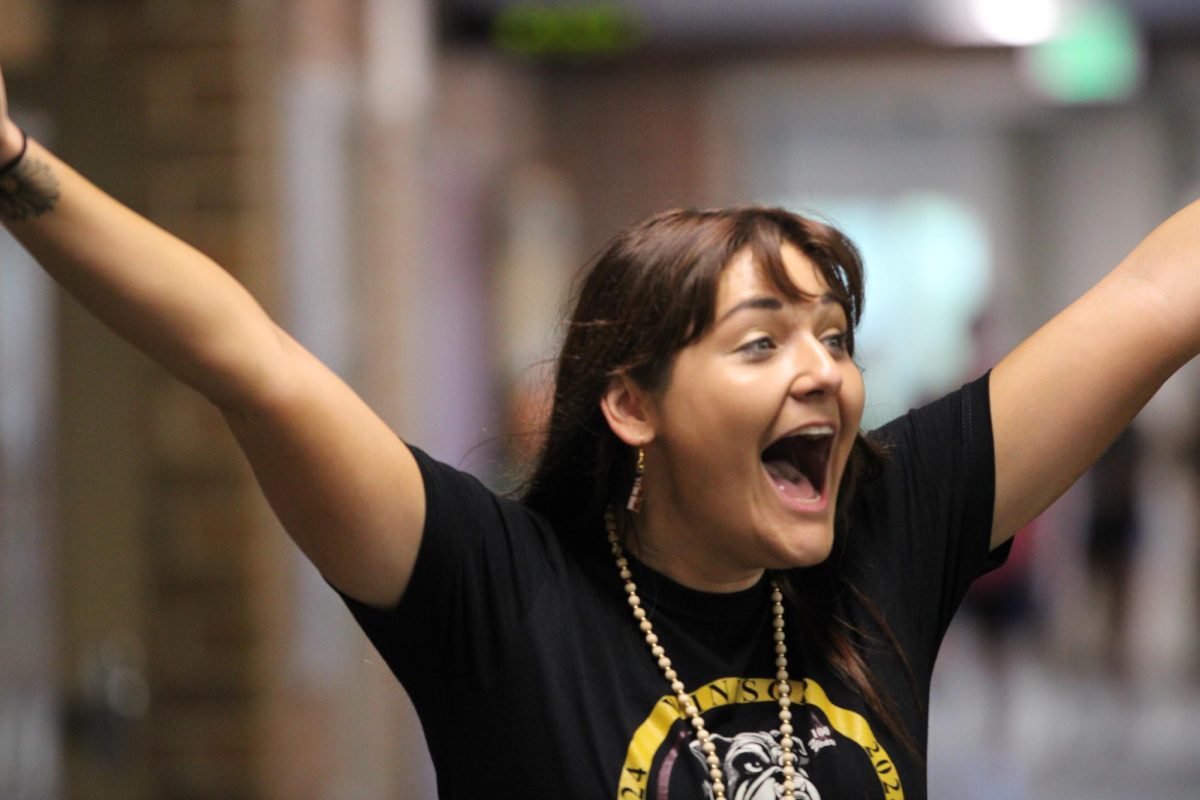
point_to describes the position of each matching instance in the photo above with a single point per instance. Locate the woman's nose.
(817, 371)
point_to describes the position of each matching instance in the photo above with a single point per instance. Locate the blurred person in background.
(715, 584)
(1111, 543)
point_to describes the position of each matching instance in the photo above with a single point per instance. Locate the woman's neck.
(687, 565)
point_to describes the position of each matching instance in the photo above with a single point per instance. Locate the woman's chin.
(812, 547)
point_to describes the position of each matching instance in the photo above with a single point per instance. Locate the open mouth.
(797, 463)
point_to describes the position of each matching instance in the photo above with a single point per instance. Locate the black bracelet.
(11, 165)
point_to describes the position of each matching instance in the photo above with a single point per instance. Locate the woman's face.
(752, 433)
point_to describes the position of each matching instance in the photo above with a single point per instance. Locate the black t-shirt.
(531, 679)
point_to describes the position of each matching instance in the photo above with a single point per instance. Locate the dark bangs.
(685, 253)
(836, 258)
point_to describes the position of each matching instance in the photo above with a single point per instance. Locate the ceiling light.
(1017, 23)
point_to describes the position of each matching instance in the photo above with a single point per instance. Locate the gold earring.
(635, 494)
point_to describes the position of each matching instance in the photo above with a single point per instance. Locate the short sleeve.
(480, 565)
(929, 513)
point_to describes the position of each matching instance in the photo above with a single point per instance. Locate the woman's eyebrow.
(766, 303)
(771, 304)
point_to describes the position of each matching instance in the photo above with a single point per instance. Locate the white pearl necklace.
(685, 702)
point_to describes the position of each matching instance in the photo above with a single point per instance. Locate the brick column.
(216, 616)
(168, 105)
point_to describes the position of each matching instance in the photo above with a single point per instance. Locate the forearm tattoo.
(28, 189)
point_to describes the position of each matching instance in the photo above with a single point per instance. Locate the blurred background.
(411, 185)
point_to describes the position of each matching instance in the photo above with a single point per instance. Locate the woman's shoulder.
(963, 412)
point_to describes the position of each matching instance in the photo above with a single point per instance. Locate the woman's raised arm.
(1060, 399)
(345, 487)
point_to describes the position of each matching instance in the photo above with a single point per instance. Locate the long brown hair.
(648, 294)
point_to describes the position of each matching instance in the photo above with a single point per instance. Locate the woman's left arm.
(1060, 398)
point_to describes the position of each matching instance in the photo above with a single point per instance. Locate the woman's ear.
(629, 410)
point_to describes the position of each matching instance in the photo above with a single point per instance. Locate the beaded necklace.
(689, 708)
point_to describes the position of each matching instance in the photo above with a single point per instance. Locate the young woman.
(716, 585)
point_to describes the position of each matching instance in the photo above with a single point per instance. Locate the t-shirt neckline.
(658, 590)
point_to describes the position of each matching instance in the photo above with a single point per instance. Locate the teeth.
(816, 431)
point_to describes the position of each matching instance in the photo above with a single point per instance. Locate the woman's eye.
(760, 346)
(837, 342)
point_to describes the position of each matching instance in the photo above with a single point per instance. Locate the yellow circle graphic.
(650, 736)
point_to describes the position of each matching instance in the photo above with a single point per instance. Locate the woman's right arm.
(347, 490)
